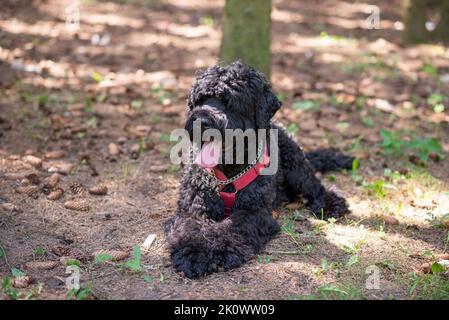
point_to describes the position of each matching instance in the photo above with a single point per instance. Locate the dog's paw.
(231, 261)
(335, 206)
(331, 206)
(194, 264)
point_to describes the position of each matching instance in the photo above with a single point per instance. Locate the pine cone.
(53, 180)
(42, 265)
(78, 205)
(21, 282)
(25, 182)
(52, 155)
(33, 178)
(77, 188)
(61, 250)
(426, 267)
(444, 256)
(28, 190)
(55, 194)
(99, 190)
(50, 183)
(34, 161)
(445, 223)
(116, 255)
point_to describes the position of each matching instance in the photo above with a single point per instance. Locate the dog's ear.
(269, 105)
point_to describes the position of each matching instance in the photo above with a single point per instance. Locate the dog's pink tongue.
(209, 155)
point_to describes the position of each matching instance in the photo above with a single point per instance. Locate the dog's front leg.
(300, 179)
(200, 246)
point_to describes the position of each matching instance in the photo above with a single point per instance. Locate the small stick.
(4, 256)
(284, 252)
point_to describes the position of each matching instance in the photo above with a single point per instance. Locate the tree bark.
(415, 16)
(442, 29)
(246, 33)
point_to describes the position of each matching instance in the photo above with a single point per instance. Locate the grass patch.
(305, 105)
(429, 287)
(331, 292)
(393, 144)
(82, 293)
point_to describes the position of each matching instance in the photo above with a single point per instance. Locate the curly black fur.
(324, 160)
(201, 240)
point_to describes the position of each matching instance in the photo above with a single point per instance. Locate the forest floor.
(108, 95)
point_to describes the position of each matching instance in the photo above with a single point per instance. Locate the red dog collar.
(240, 183)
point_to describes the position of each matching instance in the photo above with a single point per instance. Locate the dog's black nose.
(205, 122)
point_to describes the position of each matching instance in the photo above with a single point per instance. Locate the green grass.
(83, 293)
(305, 105)
(288, 228)
(134, 264)
(332, 292)
(39, 250)
(263, 259)
(429, 287)
(368, 121)
(97, 77)
(161, 95)
(378, 188)
(293, 128)
(282, 96)
(136, 104)
(393, 144)
(207, 21)
(429, 69)
(9, 290)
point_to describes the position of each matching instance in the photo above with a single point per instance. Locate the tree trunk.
(246, 33)
(415, 16)
(442, 29)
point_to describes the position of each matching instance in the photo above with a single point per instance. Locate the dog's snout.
(206, 123)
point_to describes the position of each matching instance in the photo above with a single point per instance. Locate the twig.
(284, 252)
(4, 256)
(103, 275)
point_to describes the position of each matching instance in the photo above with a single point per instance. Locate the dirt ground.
(109, 93)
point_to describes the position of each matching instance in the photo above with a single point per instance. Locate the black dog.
(202, 239)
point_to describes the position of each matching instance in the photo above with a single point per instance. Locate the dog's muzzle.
(207, 116)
